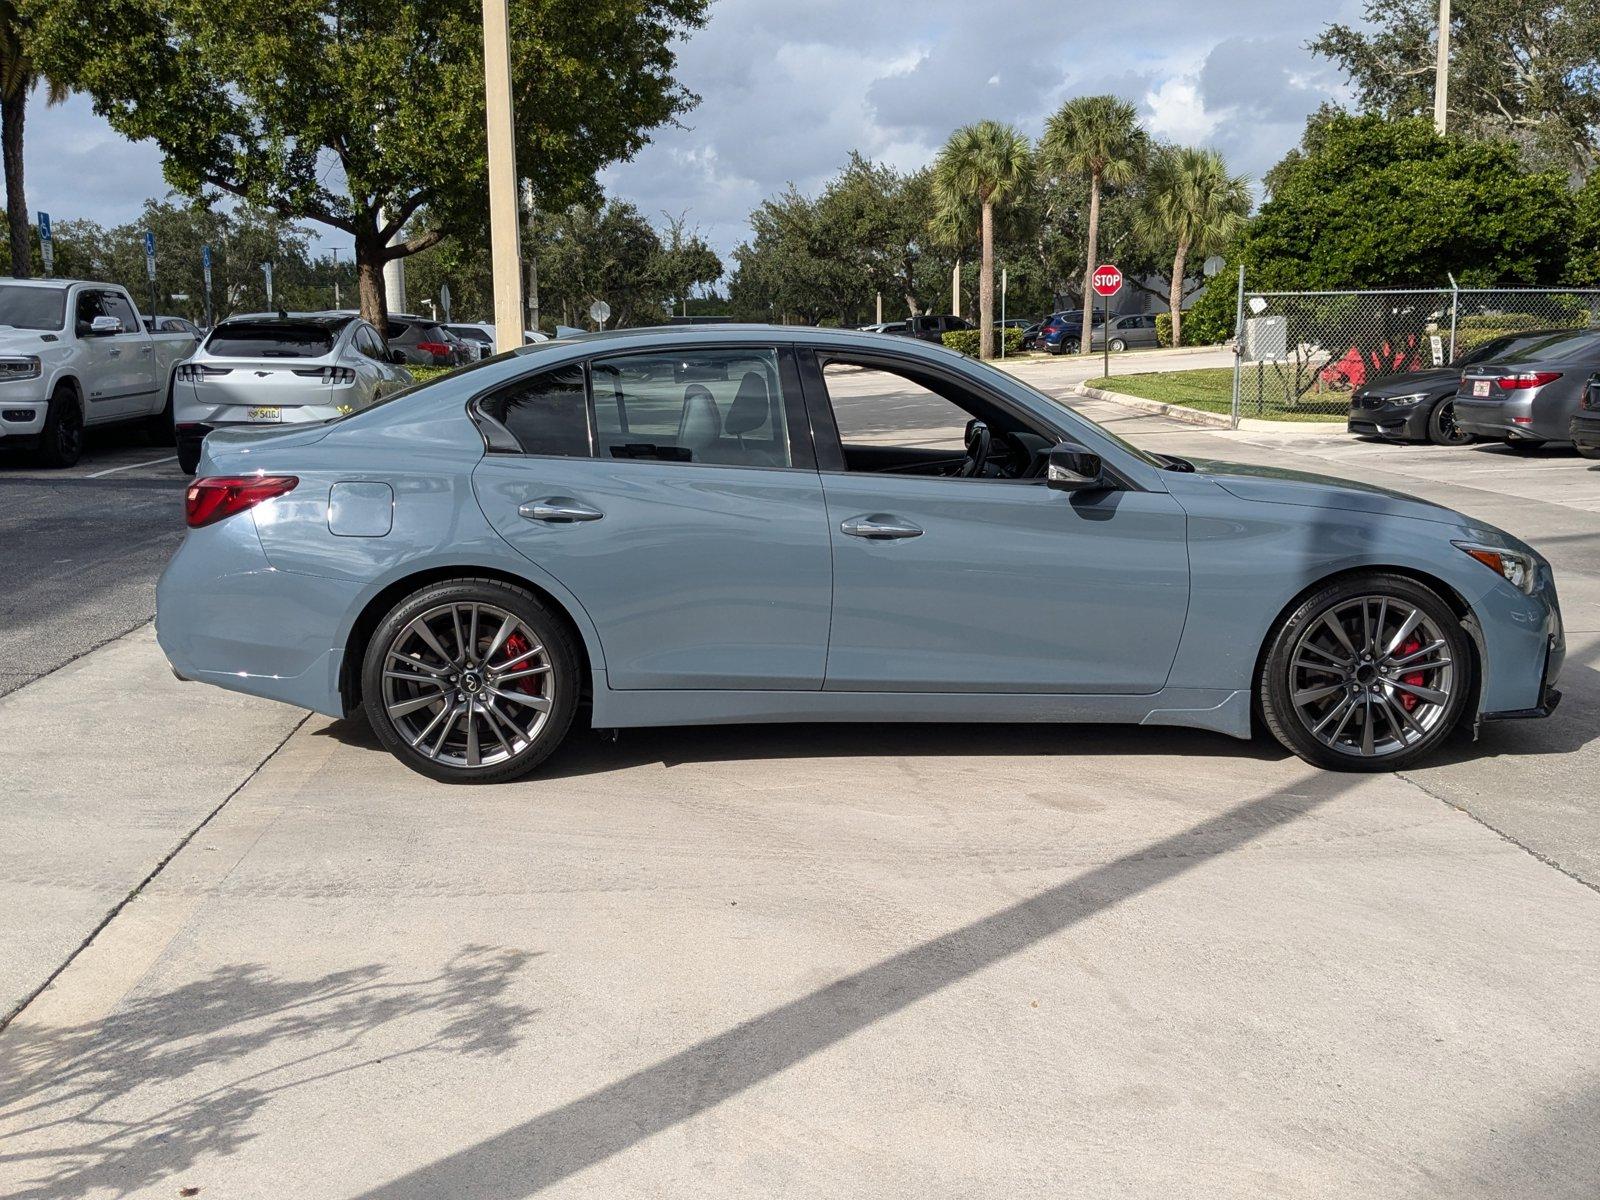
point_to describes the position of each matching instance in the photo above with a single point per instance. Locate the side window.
(367, 342)
(89, 308)
(903, 424)
(116, 306)
(547, 413)
(723, 407)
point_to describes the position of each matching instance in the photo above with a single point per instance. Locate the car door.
(133, 365)
(676, 496)
(952, 584)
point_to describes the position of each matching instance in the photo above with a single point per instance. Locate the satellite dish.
(600, 312)
(1214, 265)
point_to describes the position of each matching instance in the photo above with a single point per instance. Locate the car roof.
(329, 321)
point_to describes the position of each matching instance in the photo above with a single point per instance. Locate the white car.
(75, 354)
(280, 370)
(482, 334)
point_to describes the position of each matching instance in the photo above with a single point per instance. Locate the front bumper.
(1401, 423)
(1585, 430)
(21, 417)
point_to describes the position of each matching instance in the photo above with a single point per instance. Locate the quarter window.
(722, 407)
(547, 413)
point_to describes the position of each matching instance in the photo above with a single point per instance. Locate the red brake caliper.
(1414, 678)
(516, 646)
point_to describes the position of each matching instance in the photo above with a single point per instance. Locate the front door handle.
(114, 353)
(880, 527)
(559, 510)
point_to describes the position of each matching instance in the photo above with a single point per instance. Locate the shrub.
(966, 340)
(1164, 329)
(427, 374)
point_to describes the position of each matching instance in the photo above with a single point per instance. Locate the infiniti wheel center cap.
(471, 682)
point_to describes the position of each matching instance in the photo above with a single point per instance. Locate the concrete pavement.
(890, 961)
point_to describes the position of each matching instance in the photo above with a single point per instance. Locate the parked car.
(466, 350)
(664, 527)
(1062, 331)
(159, 324)
(1585, 427)
(420, 342)
(1030, 335)
(884, 327)
(1528, 395)
(483, 334)
(277, 371)
(932, 328)
(1419, 406)
(74, 354)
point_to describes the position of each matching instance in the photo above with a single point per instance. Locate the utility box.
(1266, 339)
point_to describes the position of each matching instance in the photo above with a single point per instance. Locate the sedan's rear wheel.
(1370, 673)
(471, 681)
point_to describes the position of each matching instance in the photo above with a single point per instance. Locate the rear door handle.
(559, 510)
(879, 527)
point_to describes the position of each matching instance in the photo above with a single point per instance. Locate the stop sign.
(1107, 279)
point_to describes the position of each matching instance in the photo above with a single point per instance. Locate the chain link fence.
(1303, 353)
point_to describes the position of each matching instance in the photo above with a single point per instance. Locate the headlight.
(1520, 570)
(20, 366)
(1410, 401)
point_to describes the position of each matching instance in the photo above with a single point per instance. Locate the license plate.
(1480, 387)
(266, 414)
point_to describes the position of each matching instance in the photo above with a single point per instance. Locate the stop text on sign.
(1107, 279)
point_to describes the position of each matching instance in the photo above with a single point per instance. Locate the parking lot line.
(154, 462)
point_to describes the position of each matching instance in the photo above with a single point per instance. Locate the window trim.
(825, 428)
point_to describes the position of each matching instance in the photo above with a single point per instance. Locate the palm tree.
(1194, 205)
(18, 76)
(981, 165)
(1096, 136)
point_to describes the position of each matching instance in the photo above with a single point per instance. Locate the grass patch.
(424, 374)
(1210, 389)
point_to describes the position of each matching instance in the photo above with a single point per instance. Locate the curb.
(1195, 416)
(1177, 412)
(1032, 356)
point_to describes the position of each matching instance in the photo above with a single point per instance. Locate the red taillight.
(439, 348)
(1532, 379)
(215, 497)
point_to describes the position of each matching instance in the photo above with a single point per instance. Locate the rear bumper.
(1509, 420)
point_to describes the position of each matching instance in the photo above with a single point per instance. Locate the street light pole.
(503, 233)
(336, 277)
(1441, 71)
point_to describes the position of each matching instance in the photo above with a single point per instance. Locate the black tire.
(559, 680)
(189, 455)
(61, 440)
(1442, 427)
(158, 429)
(1288, 723)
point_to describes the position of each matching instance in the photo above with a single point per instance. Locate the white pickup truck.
(76, 354)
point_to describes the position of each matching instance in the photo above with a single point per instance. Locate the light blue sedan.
(739, 524)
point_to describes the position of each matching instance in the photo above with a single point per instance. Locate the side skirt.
(1217, 709)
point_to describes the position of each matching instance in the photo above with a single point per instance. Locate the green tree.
(360, 114)
(19, 75)
(1583, 255)
(982, 166)
(684, 261)
(1520, 70)
(1372, 203)
(1194, 206)
(1097, 138)
(608, 252)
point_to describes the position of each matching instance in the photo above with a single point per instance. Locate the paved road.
(83, 549)
(783, 962)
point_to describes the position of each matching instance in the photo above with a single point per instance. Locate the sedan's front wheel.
(1369, 673)
(471, 681)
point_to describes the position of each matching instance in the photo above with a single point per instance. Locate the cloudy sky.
(789, 87)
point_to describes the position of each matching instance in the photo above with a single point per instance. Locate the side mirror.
(105, 327)
(1071, 468)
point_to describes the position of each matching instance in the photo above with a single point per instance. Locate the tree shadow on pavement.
(551, 1147)
(114, 1105)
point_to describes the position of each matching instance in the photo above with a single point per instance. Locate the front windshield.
(33, 307)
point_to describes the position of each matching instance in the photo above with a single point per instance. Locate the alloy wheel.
(69, 431)
(1446, 431)
(1371, 676)
(467, 684)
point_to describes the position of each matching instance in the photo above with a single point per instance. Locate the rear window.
(270, 341)
(33, 307)
(471, 334)
(1581, 344)
(547, 413)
